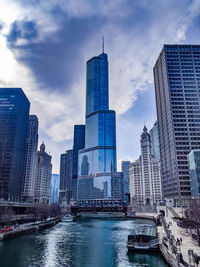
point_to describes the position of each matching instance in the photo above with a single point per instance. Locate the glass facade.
(65, 191)
(97, 177)
(125, 169)
(78, 143)
(54, 188)
(14, 117)
(194, 171)
(31, 158)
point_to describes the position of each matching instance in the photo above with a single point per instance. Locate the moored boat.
(67, 218)
(143, 237)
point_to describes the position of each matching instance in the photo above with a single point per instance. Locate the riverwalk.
(171, 247)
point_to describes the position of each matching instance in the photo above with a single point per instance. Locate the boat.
(67, 218)
(143, 237)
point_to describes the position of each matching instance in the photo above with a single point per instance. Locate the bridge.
(99, 206)
(77, 209)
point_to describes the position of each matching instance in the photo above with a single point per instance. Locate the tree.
(55, 210)
(194, 215)
(43, 211)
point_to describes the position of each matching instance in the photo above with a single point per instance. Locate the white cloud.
(132, 42)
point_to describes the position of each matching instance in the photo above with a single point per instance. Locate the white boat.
(143, 237)
(67, 218)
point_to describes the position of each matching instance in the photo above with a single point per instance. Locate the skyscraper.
(155, 143)
(78, 143)
(14, 115)
(66, 163)
(31, 158)
(177, 86)
(194, 172)
(54, 188)
(43, 177)
(97, 177)
(125, 169)
(145, 178)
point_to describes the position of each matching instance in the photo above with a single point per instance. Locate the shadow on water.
(146, 258)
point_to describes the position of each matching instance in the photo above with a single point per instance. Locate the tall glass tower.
(97, 177)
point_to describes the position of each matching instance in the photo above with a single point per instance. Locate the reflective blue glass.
(97, 161)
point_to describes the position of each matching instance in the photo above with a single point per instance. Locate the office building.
(14, 116)
(194, 172)
(43, 177)
(155, 143)
(97, 177)
(66, 164)
(177, 87)
(145, 178)
(31, 157)
(54, 188)
(125, 169)
(78, 143)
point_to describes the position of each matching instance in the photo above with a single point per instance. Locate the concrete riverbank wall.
(21, 230)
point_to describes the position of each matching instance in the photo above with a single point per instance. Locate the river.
(84, 243)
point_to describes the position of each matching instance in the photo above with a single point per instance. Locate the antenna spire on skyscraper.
(103, 44)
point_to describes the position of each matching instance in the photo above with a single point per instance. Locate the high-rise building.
(125, 169)
(65, 190)
(31, 158)
(194, 172)
(145, 178)
(43, 177)
(78, 143)
(14, 115)
(97, 177)
(155, 143)
(54, 188)
(177, 87)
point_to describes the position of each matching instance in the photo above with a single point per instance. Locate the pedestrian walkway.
(187, 242)
(179, 234)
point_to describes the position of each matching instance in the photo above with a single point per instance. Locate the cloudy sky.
(44, 46)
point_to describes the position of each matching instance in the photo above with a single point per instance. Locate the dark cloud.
(55, 61)
(22, 30)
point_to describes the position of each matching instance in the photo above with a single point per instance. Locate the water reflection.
(85, 243)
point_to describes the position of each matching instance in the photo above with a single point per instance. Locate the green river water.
(84, 243)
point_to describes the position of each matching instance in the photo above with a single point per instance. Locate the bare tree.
(7, 212)
(43, 211)
(194, 216)
(55, 210)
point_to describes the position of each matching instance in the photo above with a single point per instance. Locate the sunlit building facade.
(145, 178)
(97, 177)
(43, 177)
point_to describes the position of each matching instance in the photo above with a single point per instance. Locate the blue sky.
(44, 46)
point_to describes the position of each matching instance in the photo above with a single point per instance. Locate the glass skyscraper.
(31, 158)
(78, 143)
(194, 171)
(66, 163)
(177, 86)
(97, 177)
(14, 117)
